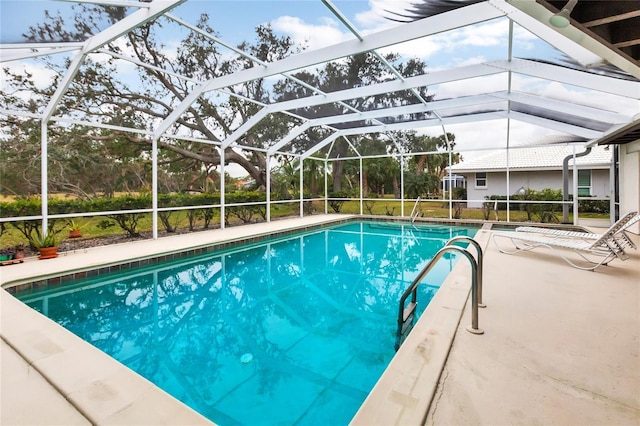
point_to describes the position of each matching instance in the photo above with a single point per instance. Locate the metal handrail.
(404, 314)
(413, 217)
(479, 261)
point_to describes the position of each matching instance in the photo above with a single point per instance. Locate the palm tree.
(425, 8)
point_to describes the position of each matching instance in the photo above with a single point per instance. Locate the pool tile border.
(58, 280)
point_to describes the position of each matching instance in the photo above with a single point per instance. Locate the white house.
(627, 140)
(536, 168)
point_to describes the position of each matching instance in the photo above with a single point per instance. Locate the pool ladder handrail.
(414, 211)
(406, 313)
(479, 261)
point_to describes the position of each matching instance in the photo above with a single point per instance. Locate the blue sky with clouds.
(311, 24)
(308, 22)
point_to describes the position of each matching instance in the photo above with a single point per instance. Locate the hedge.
(128, 222)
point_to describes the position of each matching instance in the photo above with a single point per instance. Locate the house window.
(453, 181)
(481, 180)
(584, 183)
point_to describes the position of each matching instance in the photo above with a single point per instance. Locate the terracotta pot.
(48, 252)
(75, 233)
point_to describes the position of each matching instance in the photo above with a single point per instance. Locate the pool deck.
(561, 346)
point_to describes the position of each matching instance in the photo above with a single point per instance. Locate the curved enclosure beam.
(455, 19)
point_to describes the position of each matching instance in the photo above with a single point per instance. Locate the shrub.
(336, 205)
(594, 206)
(245, 212)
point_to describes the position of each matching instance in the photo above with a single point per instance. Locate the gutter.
(565, 183)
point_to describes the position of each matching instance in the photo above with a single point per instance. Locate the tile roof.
(539, 157)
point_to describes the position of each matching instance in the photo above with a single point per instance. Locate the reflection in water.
(293, 331)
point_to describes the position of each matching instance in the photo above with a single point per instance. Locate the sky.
(310, 24)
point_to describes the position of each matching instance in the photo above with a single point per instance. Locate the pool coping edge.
(28, 343)
(405, 391)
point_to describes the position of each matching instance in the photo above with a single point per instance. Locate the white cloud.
(421, 48)
(41, 76)
(524, 39)
(312, 36)
(434, 48)
(123, 66)
(376, 18)
(474, 139)
(481, 35)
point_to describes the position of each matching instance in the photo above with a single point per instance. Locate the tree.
(355, 71)
(432, 154)
(429, 163)
(79, 162)
(102, 93)
(19, 157)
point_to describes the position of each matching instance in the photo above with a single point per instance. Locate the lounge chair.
(600, 251)
(618, 229)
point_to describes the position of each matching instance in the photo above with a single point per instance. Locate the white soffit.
(542, 15)
(546, 33)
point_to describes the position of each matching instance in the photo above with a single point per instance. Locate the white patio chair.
(595, 253)
(618, 230)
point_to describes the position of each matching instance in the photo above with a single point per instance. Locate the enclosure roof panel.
(572, 83)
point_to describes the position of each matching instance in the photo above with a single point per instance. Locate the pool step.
(408, 315)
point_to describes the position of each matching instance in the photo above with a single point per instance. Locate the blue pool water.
(291, 331)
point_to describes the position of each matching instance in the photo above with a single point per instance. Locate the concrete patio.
(561, 346)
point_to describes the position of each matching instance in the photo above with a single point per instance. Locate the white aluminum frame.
(531, 16)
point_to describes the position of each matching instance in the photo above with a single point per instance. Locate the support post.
(222, 186)
(268, 195)
(44, 174)
(154, 187)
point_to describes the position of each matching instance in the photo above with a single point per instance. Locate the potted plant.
(6, 254)
(46, 243)
(74, 229)
(19, 252)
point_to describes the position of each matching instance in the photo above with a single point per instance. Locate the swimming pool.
(294, 330)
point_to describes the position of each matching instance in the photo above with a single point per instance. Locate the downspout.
(510, 82)
(615, 171)
(565, 183)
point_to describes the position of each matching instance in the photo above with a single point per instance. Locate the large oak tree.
(101, 91)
